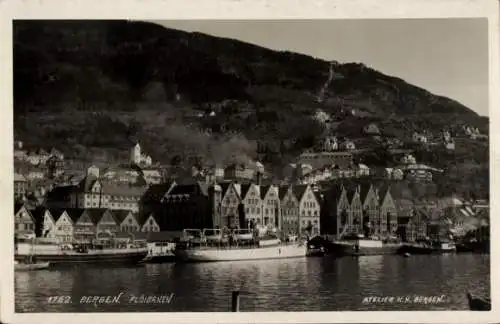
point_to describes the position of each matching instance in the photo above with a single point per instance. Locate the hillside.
(91, 88)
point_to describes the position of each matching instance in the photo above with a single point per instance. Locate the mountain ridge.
(128, 80)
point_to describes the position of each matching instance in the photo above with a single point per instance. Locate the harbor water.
(420, 282)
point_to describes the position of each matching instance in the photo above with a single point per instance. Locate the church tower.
(135, 154)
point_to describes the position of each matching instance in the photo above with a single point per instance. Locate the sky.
(448, 57)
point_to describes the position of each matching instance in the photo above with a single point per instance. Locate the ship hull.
(75, 258)
(422, 249)
(56, 256)
(349, 249)
(241, 254)
(160, 258)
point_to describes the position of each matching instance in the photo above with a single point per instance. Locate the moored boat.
(28, 266)
(237, 245)
(477, 303)
(359, 245)
(59, 254)
(428, 248)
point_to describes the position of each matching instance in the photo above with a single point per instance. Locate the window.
(258, 210)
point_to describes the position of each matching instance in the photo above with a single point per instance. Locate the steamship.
(108, 252)
(210, 245)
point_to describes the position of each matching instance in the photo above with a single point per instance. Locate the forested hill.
(96, 86)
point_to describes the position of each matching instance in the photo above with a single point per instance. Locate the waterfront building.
(309, 209)
(290, 212)
(84, 228)
(334, 210)
(63, 229)
(271, 205)
(187, 206)
(251, 206)
(24, 223)
(93, 192)
(355, 212)
(154, 196)
(231, 199)
(370, 205)
(150, 224)
(126, 220)
(44, 221)
(106, 225)
(388, 211)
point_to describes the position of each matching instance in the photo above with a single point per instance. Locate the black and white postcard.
(230, 166)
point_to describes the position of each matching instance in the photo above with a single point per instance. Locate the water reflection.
(313, 284)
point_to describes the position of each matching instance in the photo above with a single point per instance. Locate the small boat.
(359, 245)
(478, 303)
(27, 266)
(428, 247)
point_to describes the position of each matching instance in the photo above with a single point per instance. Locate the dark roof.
(60, 193)
(120, 215)
(156, 192)
(282, 191)
(87, 182)
(299, 191)
(95, 214)
(264, 190)
(245, 188)
(56, 213)
(17, 207)
(192, 189)
(74, 213)
(38, 213)
(364, 190)
(350, 195)
(382, 191)
(225, 187)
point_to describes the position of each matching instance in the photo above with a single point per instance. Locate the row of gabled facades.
(362, 207)
(78, 224)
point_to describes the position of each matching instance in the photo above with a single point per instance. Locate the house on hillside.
(347, 145)
(239, 171)
(371, 129)
(362, 170)
(20, 184)
(419, 138)
(138, 157)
